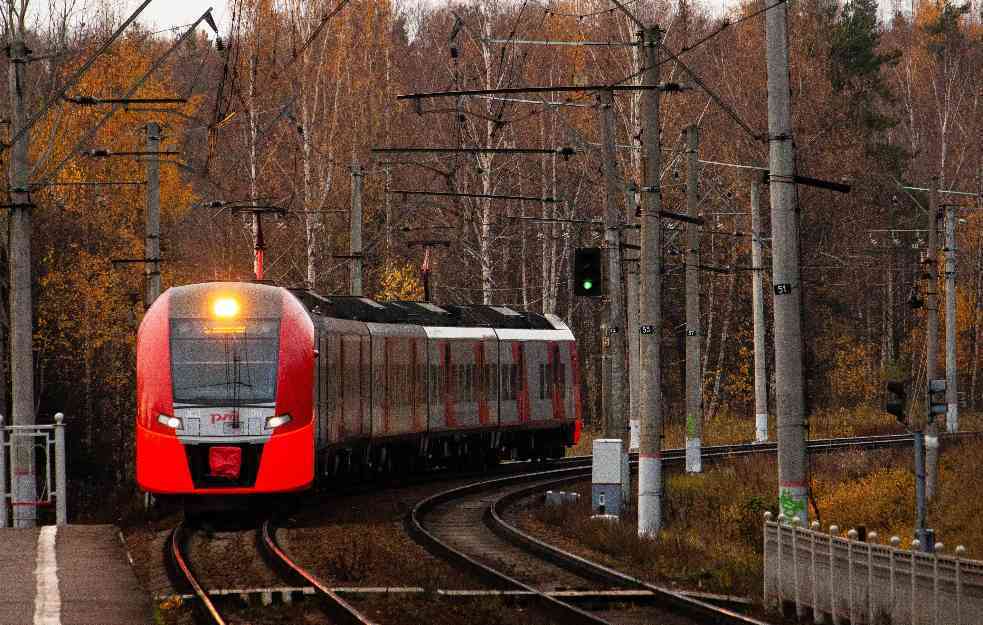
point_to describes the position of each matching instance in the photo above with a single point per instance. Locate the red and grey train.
(247, 388)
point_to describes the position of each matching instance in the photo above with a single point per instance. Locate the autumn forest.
(295, 94)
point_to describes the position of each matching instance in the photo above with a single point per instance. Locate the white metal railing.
(842, 579)
(50, 439)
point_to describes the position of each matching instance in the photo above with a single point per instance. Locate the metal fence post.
(915, 546)
(767, 562)
(851, 537)
(817, 615)
(870, 576)
(895, 542)
(3, 475)
(833, 531)
(960, 550)
(61, 487)
(935, 583)
(799, 608)
(781, 556)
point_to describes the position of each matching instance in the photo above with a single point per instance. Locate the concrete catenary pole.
(951, 381)
(632, 237)
(650, 490)
(617, 418)
(151, 246)
(358, 178)
(758, 309)
(932, 338)
(24, 486)
(793, 488)
(694, 333)
(3, 474)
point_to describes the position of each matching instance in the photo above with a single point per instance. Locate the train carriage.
(250, 388)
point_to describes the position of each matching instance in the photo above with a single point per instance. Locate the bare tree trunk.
(710, 317)
(977, 301)
(724, 335)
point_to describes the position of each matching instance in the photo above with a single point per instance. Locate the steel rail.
(181, 564)
(673, 601)
(337, 608)
(668, 599)
(547, 604)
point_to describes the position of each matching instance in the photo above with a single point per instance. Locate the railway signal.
(936, 399)
(587, 276)
(896, 403)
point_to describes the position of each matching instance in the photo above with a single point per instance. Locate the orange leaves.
(400, 282)
(854, 375)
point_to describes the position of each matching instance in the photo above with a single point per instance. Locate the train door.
(508, 378)
(438, 352)
(464, 391)
(324, 405)
(540, 380)
(396, 393)
(486, 358)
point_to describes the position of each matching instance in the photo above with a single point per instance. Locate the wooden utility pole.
(650, 480)
(616, 418)
(24, 491)
(151, 246)
(931, 339)
(694, 334)
(758, 306)
(793, 487)
(355, 245)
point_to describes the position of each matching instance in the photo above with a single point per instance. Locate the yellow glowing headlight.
(225, 308)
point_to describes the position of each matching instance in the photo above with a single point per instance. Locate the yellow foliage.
(87, 309)
(883, 496)
(400, 283)
(854, 376)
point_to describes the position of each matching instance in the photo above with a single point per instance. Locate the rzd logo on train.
(223, 416)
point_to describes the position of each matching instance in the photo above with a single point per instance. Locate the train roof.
(424, 313)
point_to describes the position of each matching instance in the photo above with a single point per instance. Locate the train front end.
(225, 375)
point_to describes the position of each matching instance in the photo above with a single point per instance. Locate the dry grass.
(725, 428)
(714, 544)
(882, 497)
(713, 536)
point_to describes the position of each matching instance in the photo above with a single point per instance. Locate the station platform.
(70, 575)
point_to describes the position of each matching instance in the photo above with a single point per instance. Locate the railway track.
(467, 526)
(336, 608)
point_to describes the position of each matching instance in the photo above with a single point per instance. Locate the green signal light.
(588, 285)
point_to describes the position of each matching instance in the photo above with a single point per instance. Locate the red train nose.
(225, 462)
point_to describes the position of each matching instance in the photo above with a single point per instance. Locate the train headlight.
(225, 308)
(277, 421)
(172, 422)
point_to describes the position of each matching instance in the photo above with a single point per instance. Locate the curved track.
(337, 608)
(466, 526)
(176, 554)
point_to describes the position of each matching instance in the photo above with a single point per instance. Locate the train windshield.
(231, 365)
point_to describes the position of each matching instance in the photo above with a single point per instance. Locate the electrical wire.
(700, 42)
(581, 16)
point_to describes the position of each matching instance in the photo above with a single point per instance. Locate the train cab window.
(224, 366)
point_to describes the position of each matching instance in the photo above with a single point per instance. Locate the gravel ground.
(355, 538)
